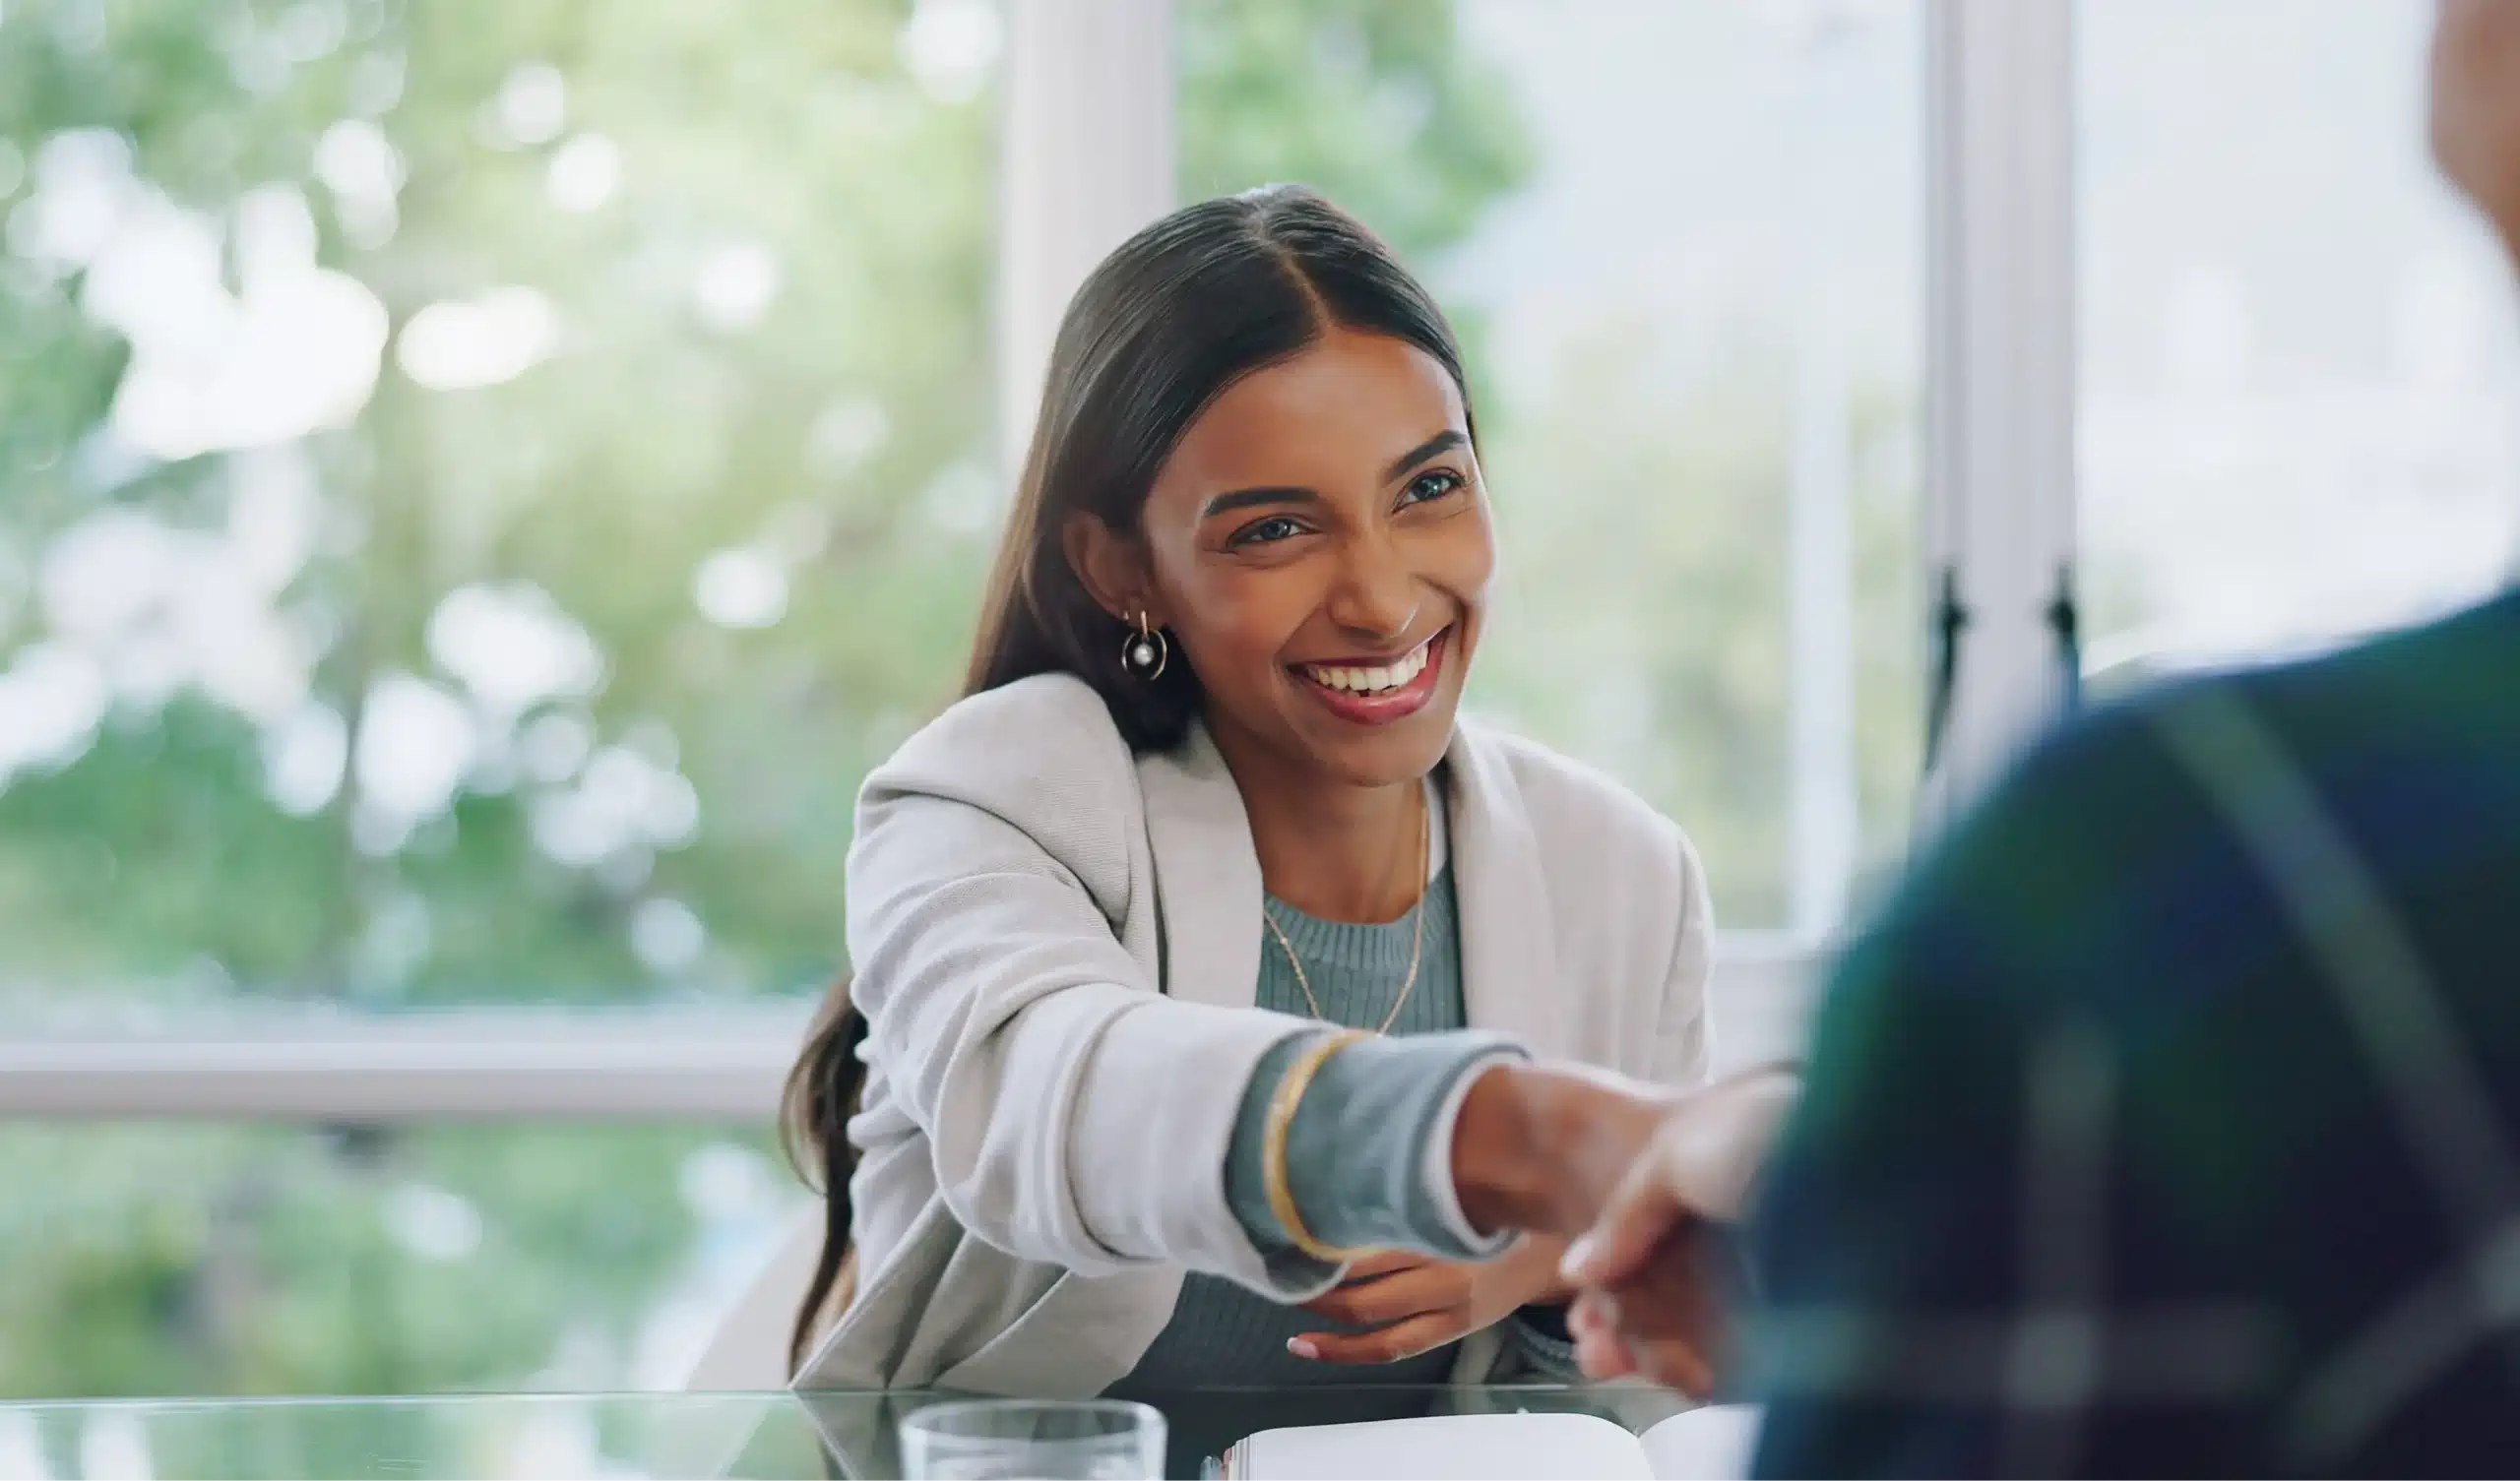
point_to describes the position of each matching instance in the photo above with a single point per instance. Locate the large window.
(2299, 378)
(478, 482)
(1686, 244)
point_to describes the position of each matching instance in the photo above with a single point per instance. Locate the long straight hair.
(1175, 316)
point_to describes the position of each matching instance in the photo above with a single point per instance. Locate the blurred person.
(1087, 1119)
(2169, 1122)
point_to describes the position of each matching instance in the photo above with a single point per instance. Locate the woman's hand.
(1561, 1150)
(1412, 1304)
(1540, 1147)
(1647, 1307)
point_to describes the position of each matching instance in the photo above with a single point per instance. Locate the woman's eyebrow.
(1252, 498)
(1442, 442)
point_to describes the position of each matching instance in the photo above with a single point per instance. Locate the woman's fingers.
(1384, 1262)
(1431, 1287)
(1386, 1344)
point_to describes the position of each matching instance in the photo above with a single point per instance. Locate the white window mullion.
(726, 1063)
(1085, 158)
(2000, 456)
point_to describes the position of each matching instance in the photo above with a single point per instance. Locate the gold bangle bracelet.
(1273, 1153)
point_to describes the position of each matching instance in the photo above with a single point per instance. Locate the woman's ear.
(1114, 567)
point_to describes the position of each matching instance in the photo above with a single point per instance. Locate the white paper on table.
(1713, 1443)
(1701, 1445)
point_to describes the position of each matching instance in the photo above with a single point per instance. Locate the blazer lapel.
(1207, 877)
(1508, 956)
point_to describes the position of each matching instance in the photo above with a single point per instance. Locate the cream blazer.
(1056, 945)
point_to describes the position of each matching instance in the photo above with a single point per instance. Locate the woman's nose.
(1376, 595)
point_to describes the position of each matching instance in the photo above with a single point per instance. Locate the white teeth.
(1370, 680)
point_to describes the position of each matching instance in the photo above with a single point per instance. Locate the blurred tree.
(1380, 106)
(479, 483)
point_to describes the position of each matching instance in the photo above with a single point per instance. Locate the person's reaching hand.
(1647, 1307)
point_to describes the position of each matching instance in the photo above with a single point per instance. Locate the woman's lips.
(1376, 693)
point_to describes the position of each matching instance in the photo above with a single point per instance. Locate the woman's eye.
(1269, 530)
(1428, 486)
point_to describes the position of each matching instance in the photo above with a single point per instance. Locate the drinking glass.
(1002, 1440)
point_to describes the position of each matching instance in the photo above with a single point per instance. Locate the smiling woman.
(1319, 543)
(1209, 802)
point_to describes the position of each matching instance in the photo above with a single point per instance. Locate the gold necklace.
(1416, 934)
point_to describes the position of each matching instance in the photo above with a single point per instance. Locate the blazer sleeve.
(1683, 1036)
(1076, 1115)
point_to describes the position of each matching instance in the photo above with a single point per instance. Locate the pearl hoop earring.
(1145, 653)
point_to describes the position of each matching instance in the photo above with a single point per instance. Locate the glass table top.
(553, 1437)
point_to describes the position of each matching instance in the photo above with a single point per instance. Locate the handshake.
(1633, 1176)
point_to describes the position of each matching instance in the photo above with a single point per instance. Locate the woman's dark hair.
(1179, 313)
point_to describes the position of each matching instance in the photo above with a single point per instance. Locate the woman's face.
(1320, 546)
(2476, 105)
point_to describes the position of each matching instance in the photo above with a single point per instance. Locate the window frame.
(603, 1065)
(1999, 493)
(1087, 155)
